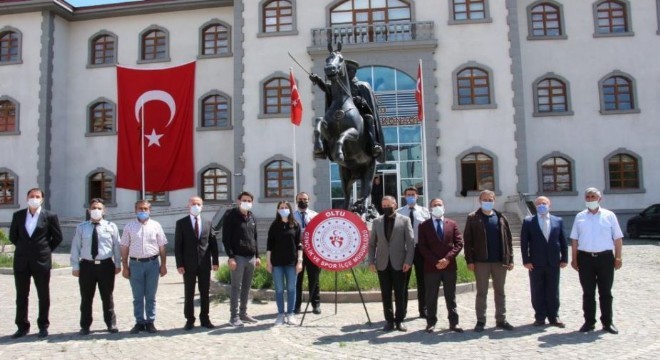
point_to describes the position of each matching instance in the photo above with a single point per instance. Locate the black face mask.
(302, 205)
(388, 211)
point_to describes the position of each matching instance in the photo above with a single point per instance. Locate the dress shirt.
(31, 220)
(81, 245)
(193, 219)
(596, 232)
(544, 223)
(143, 239)
(421, 214)
(309, 215)
(441, 224)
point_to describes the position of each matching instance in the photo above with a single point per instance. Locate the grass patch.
(366, 279)
(4, 239)
(6, 261)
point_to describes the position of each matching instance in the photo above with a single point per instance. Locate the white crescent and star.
(155, 95)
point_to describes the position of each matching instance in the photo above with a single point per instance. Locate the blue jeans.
(144, 283)
(280, 273)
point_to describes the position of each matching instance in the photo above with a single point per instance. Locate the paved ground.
(346, 335)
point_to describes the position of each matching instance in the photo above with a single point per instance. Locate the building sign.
(399, 120)
(336, 240)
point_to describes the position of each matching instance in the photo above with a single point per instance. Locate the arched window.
(472, 87)
(8, 116)
(278, 179)
(215, 39)
(469, 11)
(101, 184)
(545, 20)
(276, 96)
(556, 175)
(363, 21)
(623, 171)
(215, 111)
(10, 46)
(101, 117)
(277, 16)
(477, 172)
(7, 187)
(617, 94)
(551, 96)
(103, 49)
(215, 183)
(612, 17)
(154, 45)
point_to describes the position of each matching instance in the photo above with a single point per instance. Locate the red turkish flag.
(164, 98)
(296, 103)
(419, 93)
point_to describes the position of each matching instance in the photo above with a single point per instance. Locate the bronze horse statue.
(342, 136)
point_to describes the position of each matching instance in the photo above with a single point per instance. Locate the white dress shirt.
(31, 220)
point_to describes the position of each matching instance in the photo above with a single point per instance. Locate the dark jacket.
(476, 247)
(283, 243)
(433, 249)
(34, 252)
(191, 252)
(539, 251)
(239, 234)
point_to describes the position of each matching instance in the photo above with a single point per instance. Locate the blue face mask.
(284, 212)
(410, 200)
(542, 209)
(487, 205)
(143, 215)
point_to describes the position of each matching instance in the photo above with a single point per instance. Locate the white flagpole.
(423, 124)
(144, 193)
(295, 168)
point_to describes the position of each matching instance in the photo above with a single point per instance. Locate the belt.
(147, 259)
(596, 254)
(97, 261)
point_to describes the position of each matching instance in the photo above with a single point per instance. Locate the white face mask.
(34, 203)
(246, 205)
(195, 210)
(592, 205)
(438, 211)
(96, 214)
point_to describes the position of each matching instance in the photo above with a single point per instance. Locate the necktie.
(197, 226)
(412, 216)
(438, 229)
(544, 228)
(95, 242)
(302, 219)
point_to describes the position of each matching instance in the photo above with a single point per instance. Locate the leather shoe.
(557, 323)
(113, 329)
(208, 325)
(539, 323)
(189, 325)
(136, 329)
(42, 333)
(430, 328)
(151, 329)
(401, 327)
(317, 310)
(84, 331)
(586, 327)
(479, 327)
(296, 311)
(20, 333)
(456, 328)
(611, 329)
(389, 326)
(504, 325)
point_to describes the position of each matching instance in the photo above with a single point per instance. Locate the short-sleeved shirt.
(143, 239)
(596, 232)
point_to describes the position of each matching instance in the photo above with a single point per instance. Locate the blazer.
(34, 252)
(434, 249)
(474, 236)
(536, 250)
(399, 249)
(191, 252)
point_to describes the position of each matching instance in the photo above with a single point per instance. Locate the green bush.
(6, 261)
(345, 282)
(4, 240)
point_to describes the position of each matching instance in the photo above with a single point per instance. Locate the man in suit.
(303, 216)
(391, 252)
(544, 251)
(36, 233)
(196, 253)
(439, 243)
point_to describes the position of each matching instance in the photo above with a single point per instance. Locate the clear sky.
(94, 2)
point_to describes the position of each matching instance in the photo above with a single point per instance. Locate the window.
(160, 198)
(215, 111)
(7, 188)
(556, 175)
(617, 94)
(477, 172)
(215, 183)
(623, 172)
(10, 46)
(472, 88)
(101, 184)
(545, 20)
(551, 96)
(154, 45)
(215, 39)
(469, 11)
(363, 21)
(101, 118)
(278, 17)
(8, 116)
(103, 49)
(278, 179)
(612, 18)
(276, 96)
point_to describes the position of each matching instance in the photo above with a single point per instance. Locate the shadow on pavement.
(571, 338)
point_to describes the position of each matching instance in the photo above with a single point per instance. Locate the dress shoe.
(539, 323)
(456, 328)
(389, 326)
(430, 328)
(136, 329)
(479, 327)
(401, 327)
(247, 318)
(84, 331)
(317, 310)
(557, 323)
(189, 325)
(504, 325)
(113, 329)
(151, 328)
(43, 333)
(20, 333)
(297, 311)
(208, 325)
(586, 327)
(611, 329)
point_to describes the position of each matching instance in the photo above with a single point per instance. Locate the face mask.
(487, 206)
(96, 214)
(143, 215)
(542, 209)
(246, 205)
(34, 203)
(438, 211)
(195, 210)
(592, 205)
(388, 211)
(410, 200)
(302, 205)
(284, 212)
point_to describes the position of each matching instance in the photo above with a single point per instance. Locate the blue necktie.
(438, 229)
(302, 219)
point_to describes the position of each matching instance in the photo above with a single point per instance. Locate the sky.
(93, 2)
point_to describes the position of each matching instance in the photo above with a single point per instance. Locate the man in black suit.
(36, 233)
(544, 251)
(196, 252)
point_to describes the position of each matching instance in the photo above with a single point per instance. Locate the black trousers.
(313, 273)
(432, 283)
(91, 276)
(42, 283)
(393, 280)
(596, 270)
(544, 286)
(202, 278)
(418, 265)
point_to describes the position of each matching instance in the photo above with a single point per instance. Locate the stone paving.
(347, 334)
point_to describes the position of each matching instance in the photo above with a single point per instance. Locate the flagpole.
(295, 168)
(423, 124)
(144, 193)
